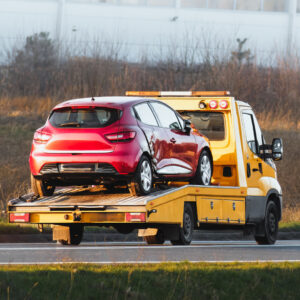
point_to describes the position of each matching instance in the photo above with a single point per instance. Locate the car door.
(156, 136)
(182, 146)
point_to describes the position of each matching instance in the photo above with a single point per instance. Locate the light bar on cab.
(177, 93)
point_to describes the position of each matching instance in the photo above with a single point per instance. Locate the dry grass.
(291, 214)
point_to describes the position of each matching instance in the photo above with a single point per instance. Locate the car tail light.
(135, 217)
(123, 136)
(19, 218)
(223, 104)
(41, 137)
(213, 104)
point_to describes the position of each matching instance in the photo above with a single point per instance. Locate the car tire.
(270, 226)
(204, 169)
(41, 189)
(186, 231)
(143, 179)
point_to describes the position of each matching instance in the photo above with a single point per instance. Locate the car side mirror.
(277, 149)
(187, 126)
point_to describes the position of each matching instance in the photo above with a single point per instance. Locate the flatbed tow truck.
(244, 192)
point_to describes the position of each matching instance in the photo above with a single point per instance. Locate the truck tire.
(204, 169)
(143, 180)
(157, 239)
(186, 232)
(76, 234)
(270, 226)
(40, 188)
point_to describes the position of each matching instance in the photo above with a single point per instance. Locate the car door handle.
(172, 140)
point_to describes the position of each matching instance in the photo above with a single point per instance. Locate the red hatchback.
(113, 140)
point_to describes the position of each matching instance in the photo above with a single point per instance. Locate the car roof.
(114, 102)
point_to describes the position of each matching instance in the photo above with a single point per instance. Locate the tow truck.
(244, 192)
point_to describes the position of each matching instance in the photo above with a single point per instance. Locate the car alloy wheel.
(146, 175)
(205, 169)
(143, 180)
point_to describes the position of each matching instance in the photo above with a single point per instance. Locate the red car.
(113, 140)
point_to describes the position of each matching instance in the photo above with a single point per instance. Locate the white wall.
(148, 29)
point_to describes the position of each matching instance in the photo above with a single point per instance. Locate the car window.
(166, 116)
(145, 114)
(250, 132)
(211, 124)
(84, 118)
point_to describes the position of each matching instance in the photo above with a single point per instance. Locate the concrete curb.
(204, 235)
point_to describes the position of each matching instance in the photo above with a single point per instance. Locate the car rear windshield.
(211, 124)
(84, 117)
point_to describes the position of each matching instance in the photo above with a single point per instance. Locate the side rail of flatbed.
(211, 205)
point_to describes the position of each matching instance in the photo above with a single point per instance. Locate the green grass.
(289, 227)
(162, 281)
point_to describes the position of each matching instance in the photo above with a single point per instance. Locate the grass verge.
(289, 226)
(162, 281)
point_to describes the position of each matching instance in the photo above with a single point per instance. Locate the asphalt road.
(134, 252)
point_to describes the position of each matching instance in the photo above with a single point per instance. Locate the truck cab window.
(250, 132)
(211, 124)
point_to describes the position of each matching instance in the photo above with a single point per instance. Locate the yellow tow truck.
(244, 192)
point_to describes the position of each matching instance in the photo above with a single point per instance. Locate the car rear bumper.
(120, 162)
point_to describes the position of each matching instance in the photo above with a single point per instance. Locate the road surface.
(138, 252)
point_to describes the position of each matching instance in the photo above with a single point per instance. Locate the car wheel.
(204, 169)
(143, 180)
(270, 226)
(40, 188)
(186, 231)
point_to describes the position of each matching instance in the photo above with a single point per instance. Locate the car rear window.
(211, 124)
(84, 117)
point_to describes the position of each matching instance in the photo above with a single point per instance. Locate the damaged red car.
(116, 140)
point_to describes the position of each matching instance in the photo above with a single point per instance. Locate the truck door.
(253, 163)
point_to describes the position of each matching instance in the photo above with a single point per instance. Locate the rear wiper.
(71, 124)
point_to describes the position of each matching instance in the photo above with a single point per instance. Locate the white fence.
(151, 26)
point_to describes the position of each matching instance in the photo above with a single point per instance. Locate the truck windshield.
(211, 124)
(84, 118)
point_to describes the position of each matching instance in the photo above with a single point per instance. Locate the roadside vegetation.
(150, 281)
(40, 73)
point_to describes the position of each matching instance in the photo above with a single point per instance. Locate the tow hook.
(76, 217)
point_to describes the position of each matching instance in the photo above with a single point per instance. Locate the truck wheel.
(270, 226)
(204, 169)
(40, 188)
(76, 233)
(186, 232)
(157, 239)
(143, 181)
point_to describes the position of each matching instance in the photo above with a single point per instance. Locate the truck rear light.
(213, 104)
(19, 218)
(40, 137)
(223, 104)
(123, 136)
(135, 217)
